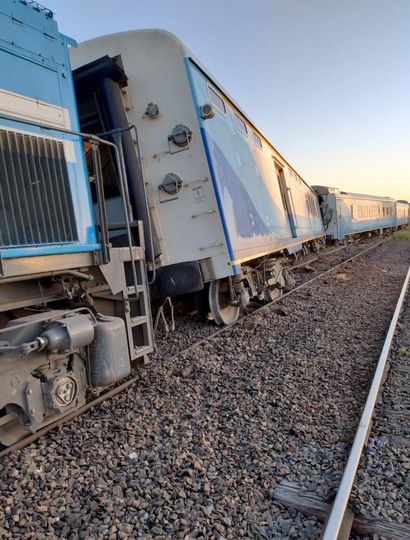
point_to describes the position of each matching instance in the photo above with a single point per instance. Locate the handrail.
(100, 187)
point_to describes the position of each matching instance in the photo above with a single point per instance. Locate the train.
(129, 176)
(225, 206)
(222, 199)
(346, 214)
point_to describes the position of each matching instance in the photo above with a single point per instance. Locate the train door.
(287, 200)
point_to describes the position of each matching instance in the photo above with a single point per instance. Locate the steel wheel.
(222, 310)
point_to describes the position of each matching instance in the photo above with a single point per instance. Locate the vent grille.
(35, 198)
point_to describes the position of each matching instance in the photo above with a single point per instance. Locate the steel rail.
(320, 256)
(335, 520)
(130, 382)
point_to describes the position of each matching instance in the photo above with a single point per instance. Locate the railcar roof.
(185, 51)
(363, 196)
(337, 191)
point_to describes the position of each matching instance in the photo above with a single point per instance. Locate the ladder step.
(137, 321)
(121, 226)
(145, 349)
(131, 289)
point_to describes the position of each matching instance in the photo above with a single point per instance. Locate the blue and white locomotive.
(74, 312)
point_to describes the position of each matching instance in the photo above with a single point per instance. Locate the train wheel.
(270, 295)
(220, 303)
(202, 303)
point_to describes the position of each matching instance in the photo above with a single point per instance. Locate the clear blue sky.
(327, 81)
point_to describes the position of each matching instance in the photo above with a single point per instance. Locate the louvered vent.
(35, 198)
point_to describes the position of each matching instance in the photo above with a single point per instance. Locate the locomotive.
(74, 310)
(134, 177)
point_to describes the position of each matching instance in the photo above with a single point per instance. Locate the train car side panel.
(186, 220)
(263, 203)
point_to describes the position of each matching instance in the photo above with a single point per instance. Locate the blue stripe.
(217, 195)
(236, 269)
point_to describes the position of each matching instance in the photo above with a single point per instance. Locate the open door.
(286, 199)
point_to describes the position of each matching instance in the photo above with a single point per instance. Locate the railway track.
(130, 382)
(393, 427)
(376, 503)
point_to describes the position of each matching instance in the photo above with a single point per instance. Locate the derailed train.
(136, 163)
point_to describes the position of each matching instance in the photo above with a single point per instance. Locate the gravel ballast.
(197, 446)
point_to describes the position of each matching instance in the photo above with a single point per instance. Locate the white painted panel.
(34, 110)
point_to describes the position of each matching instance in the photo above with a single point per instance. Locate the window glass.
(216, 100)
(308, 204)
(257, 140)
(314, 205)
(240, 124)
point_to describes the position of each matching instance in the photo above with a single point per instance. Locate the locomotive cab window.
(240, 124)
(216, 100)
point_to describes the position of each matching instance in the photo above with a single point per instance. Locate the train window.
(216, 100)
(240, 124)
(312, 205)
(359, 211)
(315, 203)
(257, 140)
(308, 204)
(365, 211)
